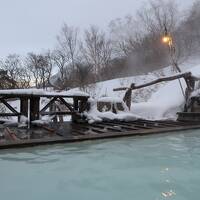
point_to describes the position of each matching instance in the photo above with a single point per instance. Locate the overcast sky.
(32, 25)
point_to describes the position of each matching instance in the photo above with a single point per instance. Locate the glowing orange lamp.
(167, 39)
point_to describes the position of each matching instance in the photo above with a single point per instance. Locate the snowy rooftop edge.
(41, 92)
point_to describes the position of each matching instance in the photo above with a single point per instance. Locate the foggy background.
(32, 25)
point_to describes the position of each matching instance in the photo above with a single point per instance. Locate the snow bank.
(164, 104)
(167, 101)
(95, 116)
(105, 88)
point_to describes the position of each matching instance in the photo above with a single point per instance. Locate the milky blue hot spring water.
(152, 167)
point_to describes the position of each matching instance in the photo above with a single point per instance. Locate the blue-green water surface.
(142, 168)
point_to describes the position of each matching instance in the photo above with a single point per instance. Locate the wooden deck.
(72, 132)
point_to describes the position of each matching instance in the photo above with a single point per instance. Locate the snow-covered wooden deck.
(72, 132)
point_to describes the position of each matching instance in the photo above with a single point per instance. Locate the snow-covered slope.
(163, 104)
(105, 88)
(166, 102)
(160, 101)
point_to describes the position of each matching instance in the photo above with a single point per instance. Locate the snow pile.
(164, 104)
(45, 120)
(95, 116)
(112, 100)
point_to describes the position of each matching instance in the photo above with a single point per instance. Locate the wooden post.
(34, 108)
(76, 110)
(83, 105)
(52, 108)
(24, 106)
(127, 98)
(76, 104)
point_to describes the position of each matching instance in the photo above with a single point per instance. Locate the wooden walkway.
(73, 132)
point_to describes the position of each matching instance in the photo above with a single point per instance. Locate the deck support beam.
(34, 108)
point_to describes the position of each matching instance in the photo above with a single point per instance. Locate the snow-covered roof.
(41, 92)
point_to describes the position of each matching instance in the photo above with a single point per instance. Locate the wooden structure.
(70, 132)
(192, 113)
(127, 98)
(170, 78)
(30, 105)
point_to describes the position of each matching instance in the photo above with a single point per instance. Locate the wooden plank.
(124, 125)
(80, 130)
(151, 124)
(94, 128)
(90, 129)
(58, 113)
(107, 127)
(171, 123)
(136, 125)
(55, 140)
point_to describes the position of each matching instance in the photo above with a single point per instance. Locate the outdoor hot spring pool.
(144, 168)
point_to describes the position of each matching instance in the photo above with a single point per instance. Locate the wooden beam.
(9, 106)
(9, 114)
(58, 113)
(170, 78)
(66, 104)
(48, 105)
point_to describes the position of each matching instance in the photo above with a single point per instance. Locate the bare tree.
(61, 62)
(158, 15)
(96, 49)
(68, 43)
(84, 75)
(48, 57)
(126, 33)
(16, 71)
(40, 68)
(138, 38)
(12, 65)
